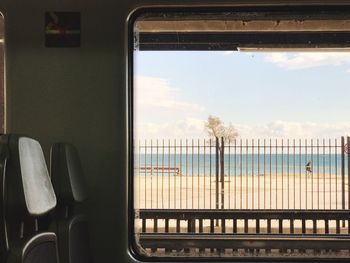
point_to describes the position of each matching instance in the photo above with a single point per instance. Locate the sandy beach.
(291, 191)
(242, 192)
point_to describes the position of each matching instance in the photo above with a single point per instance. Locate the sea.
(239, 164)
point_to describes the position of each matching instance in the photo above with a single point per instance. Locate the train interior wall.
(78, 95)
(75, 95)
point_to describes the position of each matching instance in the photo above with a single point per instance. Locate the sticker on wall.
(62, 29)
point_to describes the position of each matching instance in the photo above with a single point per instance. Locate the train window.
(240, 134)
(2, 78)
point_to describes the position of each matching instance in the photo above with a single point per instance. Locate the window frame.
(132, 18)
(3, 51)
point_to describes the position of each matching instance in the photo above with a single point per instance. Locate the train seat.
(70, 224)
(26, 195)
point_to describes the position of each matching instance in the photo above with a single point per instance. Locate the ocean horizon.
(239, 164)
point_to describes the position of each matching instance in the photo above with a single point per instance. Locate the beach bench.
(159, 170)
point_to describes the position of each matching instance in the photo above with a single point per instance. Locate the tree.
(216, 129)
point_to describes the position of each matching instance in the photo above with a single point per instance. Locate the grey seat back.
(26, 194)
(70, 186)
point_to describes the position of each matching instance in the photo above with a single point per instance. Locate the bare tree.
(216, 128)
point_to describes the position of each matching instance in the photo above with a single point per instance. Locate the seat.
(26, 195)
(70, 187)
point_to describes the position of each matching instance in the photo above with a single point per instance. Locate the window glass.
(241, 127)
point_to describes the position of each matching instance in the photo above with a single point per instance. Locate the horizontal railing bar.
(186, 214)
(243, 145)
(249, 235)
(240, 241)
(151, 167)
(176, 146)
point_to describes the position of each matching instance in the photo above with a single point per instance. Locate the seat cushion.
(41, 248)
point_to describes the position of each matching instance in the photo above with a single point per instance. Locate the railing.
(301, 233)
(244, 221)
(242, 174)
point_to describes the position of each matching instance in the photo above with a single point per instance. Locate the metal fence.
(242, 174)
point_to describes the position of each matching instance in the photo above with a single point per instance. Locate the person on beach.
(308, 168)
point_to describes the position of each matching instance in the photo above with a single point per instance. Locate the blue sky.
(264, 95)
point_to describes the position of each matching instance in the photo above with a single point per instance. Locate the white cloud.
(305, 60)
(190, 128)
(181, 129)
(304, 130)
(157, 93)
(160, 113)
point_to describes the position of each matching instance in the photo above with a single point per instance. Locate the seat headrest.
(28, 185)
(67, 174)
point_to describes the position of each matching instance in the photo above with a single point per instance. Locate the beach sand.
(248, 192)
(242, 192)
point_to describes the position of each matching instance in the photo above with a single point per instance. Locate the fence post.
(217, 176)
(217, 166)
(222, 174)
(348, 152)
(343, 171)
